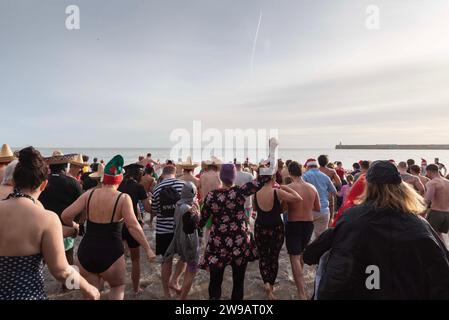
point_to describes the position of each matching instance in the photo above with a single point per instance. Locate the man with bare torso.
(284, 172)
(416, 171)
(437, 196)
(299, 228)
(188, 168)
(209, 179)
(412, 180)
(441, 167)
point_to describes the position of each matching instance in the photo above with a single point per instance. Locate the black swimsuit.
(102, 244)
(269, 236)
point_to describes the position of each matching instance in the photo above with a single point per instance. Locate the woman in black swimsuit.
(269, 229)
(100, 253)
(30, 234)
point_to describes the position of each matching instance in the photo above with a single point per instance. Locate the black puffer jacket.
(413, 262)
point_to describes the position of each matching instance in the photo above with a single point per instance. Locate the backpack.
(168, 197)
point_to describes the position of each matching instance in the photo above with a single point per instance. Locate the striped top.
(164, 224)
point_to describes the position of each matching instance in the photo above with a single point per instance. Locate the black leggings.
(269, 241)
(238, 281)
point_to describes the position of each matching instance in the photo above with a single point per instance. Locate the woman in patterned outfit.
(230, 241)
(30, 234)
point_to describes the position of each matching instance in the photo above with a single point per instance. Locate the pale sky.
(138, 69)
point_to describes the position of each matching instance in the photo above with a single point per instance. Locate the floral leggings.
(269, 241)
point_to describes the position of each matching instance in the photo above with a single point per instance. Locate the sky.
(138, 69)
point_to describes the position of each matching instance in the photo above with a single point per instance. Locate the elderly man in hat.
(210, 178)
(187, 168)
(6, 157)
(77, 165)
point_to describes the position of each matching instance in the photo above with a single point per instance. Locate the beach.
(285, 288)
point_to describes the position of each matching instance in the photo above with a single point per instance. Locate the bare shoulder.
(310, 186)
(126, 197)
(50, 218)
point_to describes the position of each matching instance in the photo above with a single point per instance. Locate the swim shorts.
(439, 220)
(297, 236)
(163, 241)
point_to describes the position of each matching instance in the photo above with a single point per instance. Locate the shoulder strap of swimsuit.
(256, 205)
(88, 203)
(115, 207)
(276, 202)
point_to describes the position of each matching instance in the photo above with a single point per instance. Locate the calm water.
(301, 155)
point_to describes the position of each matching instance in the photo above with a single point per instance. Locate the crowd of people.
(382, 215)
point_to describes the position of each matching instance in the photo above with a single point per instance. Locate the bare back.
(265, 198)
(102, 205)
(190, 178)
(5, 191)
(22, 227)
(439, 194)
(147, 182)
(332, 174)
(209, 181)
(302, 210)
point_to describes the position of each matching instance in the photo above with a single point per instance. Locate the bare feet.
(269, 291)
(175, 288)
(138, 292)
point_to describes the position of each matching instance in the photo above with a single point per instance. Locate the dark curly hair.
(31, 170)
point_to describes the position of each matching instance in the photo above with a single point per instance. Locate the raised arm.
(252, 187)
(287, 194)
(134, 227)
(54, 256)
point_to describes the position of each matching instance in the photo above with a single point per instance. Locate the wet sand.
(285, 288)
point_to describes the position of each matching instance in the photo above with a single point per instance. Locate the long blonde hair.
(398, 196)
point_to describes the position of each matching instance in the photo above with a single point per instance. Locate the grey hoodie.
(184, 245)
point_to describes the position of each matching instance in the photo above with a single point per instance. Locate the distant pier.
(393, 146)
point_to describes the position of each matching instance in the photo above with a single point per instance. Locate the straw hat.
(58, 157)
(188, 164)
(99, 173)
(77, 160)
(213, 161)
(6, 154)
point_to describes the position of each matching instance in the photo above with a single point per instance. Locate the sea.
(347, 157)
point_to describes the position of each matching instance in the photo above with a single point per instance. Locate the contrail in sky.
(255, 42)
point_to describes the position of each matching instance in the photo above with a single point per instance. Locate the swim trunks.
(439, 220)
(163, 241)
(297, 236)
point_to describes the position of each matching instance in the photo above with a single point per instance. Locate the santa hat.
(113, 172)
(311, 163)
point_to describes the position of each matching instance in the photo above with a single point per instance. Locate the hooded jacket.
(381, 254)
